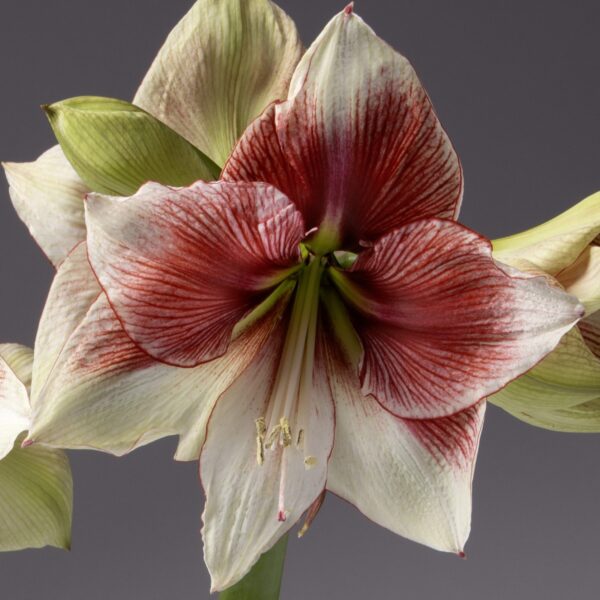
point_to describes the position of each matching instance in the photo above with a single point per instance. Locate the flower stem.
(264, 580)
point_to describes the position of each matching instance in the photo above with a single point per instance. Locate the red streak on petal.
(281, 516)
(461, 554)
(349, 9)
(27, 443)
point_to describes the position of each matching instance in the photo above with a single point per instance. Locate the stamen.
(310, 462)
(273, 436)
(261, 430)
(286, 432)
(288, 415)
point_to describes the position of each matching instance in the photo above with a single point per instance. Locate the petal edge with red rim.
(442, 324)
(242, 516)
(182, 266)
(359, 134)
(413, 477)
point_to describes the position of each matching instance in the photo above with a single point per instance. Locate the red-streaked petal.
(242, 516)
(94, 388)
(411, 476)
(442, 325)
(181, 267)
(357, 136)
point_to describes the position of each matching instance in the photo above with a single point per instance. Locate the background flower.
(563, 391)
(36, 491)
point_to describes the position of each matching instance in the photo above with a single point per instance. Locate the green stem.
(263, 582)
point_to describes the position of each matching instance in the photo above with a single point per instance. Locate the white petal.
(220, 67)
(93, 388)
(48, 196)
(413, 477)
(73, 291)
(14, 402)
(242, 497)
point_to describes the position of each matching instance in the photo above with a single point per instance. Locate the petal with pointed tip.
(94, 388)
(241, 519)
(115, 147)
(223, 63)
(562, 393)
(36, 498)
(358, 139)
(442, 325)
(48, 197)
(182, 267)
(554, 245)
(35, 482)
(412, 477)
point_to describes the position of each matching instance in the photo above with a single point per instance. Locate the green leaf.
(264, 580)
(115, 147)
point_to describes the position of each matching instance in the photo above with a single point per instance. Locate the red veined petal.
(182, 266)
(357, 145)
(412, 476)
(442, 324)
(94, 388)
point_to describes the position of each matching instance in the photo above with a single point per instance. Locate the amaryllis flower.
(563, 391)
(36, 490)
(315, 321)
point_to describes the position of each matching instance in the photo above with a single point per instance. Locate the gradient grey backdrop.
(516, 86)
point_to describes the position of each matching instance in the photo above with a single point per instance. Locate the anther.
(286, 432)
(273, 436)
(261, 430)
(310, 462)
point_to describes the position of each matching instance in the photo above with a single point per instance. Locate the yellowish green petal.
(220, 67)
(116, 147)
(583, 418)
(36, 488)
(20, 360)
(582, 278)
(556, 244)
(560, 391)
(36, 498)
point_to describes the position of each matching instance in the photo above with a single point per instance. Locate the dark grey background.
(516, 86)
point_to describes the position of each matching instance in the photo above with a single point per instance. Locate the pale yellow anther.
(261, 430)
(286, 432)
(310, 462)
